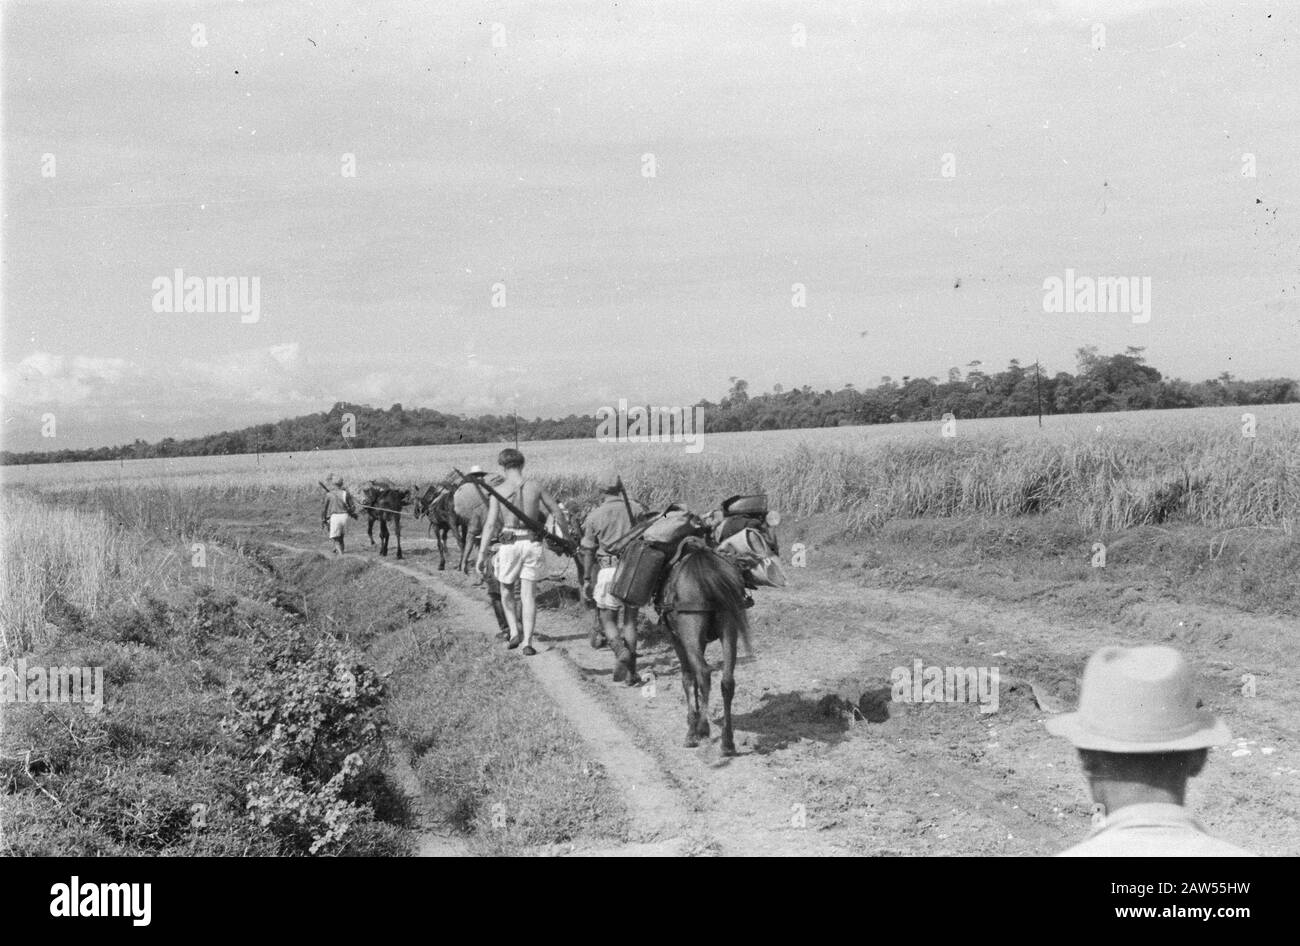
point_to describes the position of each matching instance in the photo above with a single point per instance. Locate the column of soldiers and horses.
(697, 572)
(1139, 730)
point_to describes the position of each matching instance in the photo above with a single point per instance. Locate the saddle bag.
(636, 579)
(666, 532)
(750, 552)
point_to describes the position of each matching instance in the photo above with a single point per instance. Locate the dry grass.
(51, 552)
(67, 556)
(1107, 471)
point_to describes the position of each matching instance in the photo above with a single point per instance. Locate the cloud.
(105, 401)
(50, 380)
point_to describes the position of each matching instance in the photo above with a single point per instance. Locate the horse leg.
(397, 530)
(442, 546)
(462, 542)
(688, 687)
(703, 675)
(370, 526)
(467, 546)
(383, 535)
(729, 637)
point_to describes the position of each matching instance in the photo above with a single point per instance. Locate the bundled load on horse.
(745, 533)
(697, 571)
(741, 531)
(646, 551)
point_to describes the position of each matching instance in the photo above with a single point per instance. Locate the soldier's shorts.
(604, 584)
(517, 560)
(338, 525)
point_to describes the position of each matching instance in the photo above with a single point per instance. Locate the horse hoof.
(442, 566)
(728, 748)
(702, 730)
(692, 742)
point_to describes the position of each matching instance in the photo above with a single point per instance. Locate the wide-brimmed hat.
(609, 481)
(1139, 699)
(476, 468)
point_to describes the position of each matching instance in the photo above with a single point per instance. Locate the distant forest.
(1122, 382)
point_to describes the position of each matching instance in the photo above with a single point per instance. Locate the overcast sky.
(523, 163)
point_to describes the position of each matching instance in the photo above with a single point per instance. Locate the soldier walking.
(605, 525)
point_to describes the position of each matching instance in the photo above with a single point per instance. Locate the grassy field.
(1105, 471)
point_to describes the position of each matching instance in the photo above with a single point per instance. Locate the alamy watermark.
(646, 424)
(23, 684)
(215, 294)
(1126, 294)
(921, 684)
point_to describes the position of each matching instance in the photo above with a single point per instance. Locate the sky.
(643, 185)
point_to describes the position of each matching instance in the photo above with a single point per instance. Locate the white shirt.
(1152, 830)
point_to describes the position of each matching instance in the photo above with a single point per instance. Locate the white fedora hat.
(1138, 699)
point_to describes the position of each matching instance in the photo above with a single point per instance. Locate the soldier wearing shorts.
(338, 509)
(519, 552)
(606, 524)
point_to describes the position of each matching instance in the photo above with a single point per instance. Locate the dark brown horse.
(383, 501)
(436, 503)
(704, 601)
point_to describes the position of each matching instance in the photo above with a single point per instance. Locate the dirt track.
(828, 765)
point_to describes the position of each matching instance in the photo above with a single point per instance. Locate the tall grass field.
(1212, 466)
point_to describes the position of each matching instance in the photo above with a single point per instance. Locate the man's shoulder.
(1153, 841)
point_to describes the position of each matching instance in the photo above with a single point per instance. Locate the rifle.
(627, 503)
(324, 523)
(557, 543)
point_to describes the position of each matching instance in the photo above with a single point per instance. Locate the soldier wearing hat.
(606, 524)
(1140, 738)
(470, 503)
(339, 507)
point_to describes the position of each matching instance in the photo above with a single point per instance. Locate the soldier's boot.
(597, 636)
(622, 667)
(632, 678)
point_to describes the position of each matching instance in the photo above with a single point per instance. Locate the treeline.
(1122, 382)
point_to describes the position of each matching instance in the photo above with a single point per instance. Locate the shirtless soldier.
(519, 557)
